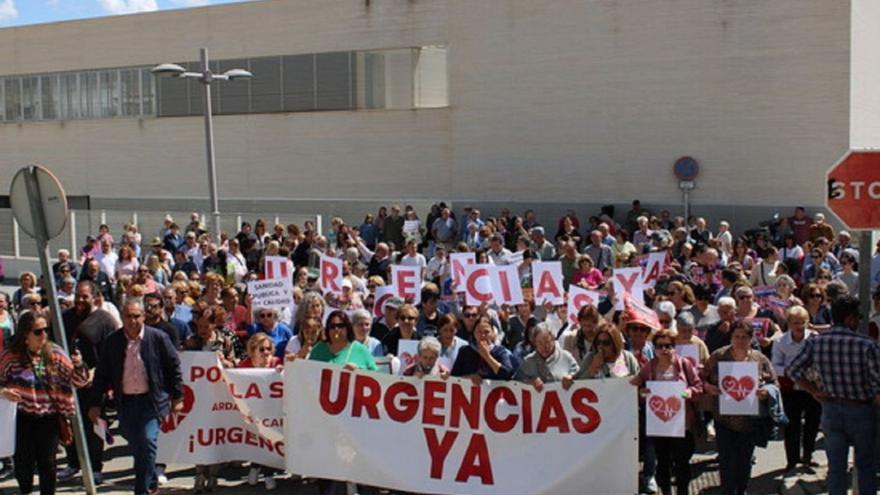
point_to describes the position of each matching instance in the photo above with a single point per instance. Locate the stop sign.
(853, 189)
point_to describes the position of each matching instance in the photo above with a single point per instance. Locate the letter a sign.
(853, 190)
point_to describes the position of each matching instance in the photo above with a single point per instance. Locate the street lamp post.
(206, 77)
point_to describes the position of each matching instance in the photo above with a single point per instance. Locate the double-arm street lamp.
(206, 77)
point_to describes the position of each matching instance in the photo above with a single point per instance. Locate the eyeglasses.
(470, 315)
(665, 346)
(407, 318)
(267, 315)
(266, 350)
(816, 296)
(336, 326)
(39, 332)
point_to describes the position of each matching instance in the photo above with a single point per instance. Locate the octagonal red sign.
(853, 189)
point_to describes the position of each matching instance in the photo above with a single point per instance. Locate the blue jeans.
(140, 427)
(846, 425)
(735, 450)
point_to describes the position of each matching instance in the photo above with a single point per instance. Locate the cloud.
(8, 12)
(191, 3)
(128, 6)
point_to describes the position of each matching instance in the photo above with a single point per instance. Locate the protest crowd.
(659, 299)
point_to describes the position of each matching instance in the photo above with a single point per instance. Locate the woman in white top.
(802, 409)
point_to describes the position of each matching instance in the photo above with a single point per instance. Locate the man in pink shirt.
(141, 364)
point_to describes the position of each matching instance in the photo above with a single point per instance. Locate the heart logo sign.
(407, 359)
(173, 420)
(664, 408)
(738, 388)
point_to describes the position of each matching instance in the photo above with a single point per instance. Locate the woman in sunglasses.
(261, 354)
(484, 359)
(813, 296)
(673, 454)
(340, 345)
(39, 376)
(608, 359)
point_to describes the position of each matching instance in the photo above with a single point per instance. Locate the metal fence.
(15, 243)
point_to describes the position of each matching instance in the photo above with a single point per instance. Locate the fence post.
(319, 224)
(103, 217)
(237, 222)
(277, 221)
(72, 227)
(16, 240)
(134, 218)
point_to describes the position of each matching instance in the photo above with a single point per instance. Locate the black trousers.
(94, 443)
(36, 441)
(674, 458)
(800, 406)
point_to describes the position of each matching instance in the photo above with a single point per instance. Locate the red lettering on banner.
(472, 285)
(552, 414)
(580, 402)
(409, 404)
(476, 462)
(367, 393)
(496, 424)
(439, 450)
(329, 272)
(505, 285)
(433, 402)
(253, 391)
(209, 437)
(406, 283)
(212, 373)
(526, 410)
(276, 390)
(627, 283)
(334, 406)
(547, 285)
(462, 405)
(653, 275)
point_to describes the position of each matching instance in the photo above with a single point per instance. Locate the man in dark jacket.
(141, 365)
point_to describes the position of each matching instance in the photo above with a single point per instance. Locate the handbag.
(65, 431)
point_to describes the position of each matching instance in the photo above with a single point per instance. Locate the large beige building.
(360, 102)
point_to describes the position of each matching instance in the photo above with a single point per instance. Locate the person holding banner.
(40, 377)
(361, 322)
(450, 343)
(261, 354)
(736, 441)
(608, 359)
(428, 362)
(483, 359)
(673, 454)
(405, 329)
(340, 345)
(548, 363)
(311, 331)
(578, 340)
(208, 321)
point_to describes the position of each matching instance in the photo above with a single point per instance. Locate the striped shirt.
(848, 363)
(45, 388)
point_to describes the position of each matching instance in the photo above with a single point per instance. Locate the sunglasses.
(336, 326)
(816, 296)
(470, 315)
(39, 332)
(665, 346)
(267, 350)
(266, 315)
(407, 318)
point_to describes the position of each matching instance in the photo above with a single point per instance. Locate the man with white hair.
(64, 261)
(642, 236)
(718, 335)
(725, 237)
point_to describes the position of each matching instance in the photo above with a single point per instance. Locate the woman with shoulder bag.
(38, 375)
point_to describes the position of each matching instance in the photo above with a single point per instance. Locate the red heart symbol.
(173, 420)
(738, 389)
(407, 359)
(664, 408)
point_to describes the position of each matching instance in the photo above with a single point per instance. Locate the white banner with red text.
(228, 415)
(449, 436)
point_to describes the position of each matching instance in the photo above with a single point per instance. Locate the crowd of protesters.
(780, 295)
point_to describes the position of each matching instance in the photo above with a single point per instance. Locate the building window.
(399, 78)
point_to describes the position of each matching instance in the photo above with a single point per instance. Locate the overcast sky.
(22, 12)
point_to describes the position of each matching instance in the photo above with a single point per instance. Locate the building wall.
(570, 101)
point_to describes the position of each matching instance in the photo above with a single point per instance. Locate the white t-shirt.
(417, 260)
